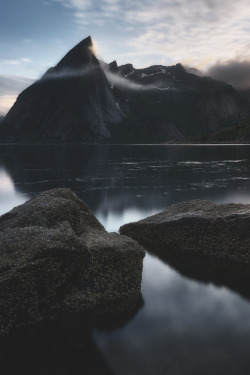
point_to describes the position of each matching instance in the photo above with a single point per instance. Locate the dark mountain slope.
(80, 100)
(237, 133)
(72, 102)
(169, 104)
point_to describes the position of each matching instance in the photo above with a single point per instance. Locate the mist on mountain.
(84, 100)
(233, 72)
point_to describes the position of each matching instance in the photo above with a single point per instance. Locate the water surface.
(185, 326)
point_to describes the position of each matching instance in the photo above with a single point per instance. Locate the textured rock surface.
(201, 228)
(56, 259)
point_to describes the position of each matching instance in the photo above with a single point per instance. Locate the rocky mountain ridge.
(172, 103)
(85, 100)
(72, 102)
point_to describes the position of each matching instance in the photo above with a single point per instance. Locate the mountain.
(85, 100)
(170, 104)
(72, 102)
(237, 133)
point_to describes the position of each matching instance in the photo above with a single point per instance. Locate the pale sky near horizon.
(199, 33)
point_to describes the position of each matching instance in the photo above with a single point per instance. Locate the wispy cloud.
(117, 80)
(15, 61)
(195, 31)
(10, 87)
(9, 62)
(26, 60)
(12, 84)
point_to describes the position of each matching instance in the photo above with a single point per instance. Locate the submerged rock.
(200, 228)
(57, 259)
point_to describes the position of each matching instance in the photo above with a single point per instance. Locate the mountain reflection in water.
(9, 196)
(191, 322)
(184, 328)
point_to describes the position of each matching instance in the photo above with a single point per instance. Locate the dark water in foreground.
(184, 326)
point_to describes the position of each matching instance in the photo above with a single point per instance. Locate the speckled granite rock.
(201, 228)
(57, 259)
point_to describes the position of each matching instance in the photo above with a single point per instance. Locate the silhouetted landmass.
(173, 104)
(70, 103)
(84, 100)
(238, 133)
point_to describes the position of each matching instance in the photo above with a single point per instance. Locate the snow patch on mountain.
(126, 75)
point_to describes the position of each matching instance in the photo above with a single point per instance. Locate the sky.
(210, 35)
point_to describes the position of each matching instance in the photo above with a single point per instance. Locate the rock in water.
(198, 228)
(57, 259)
(202, 240)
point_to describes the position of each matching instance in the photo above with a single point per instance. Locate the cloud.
(13, 85)
(10, 87)
(199, 32)
(9, 62)
(117, 80)
(234, 72)
(4, 62)
(52, 73)
(26, 60)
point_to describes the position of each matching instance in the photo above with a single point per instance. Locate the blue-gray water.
(184, 326)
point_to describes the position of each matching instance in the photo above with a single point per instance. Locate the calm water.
(184, 326)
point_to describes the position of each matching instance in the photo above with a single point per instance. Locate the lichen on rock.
(57, 259)
(201, 228)
(202, 240)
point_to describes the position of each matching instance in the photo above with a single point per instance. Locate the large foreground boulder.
(57, 259)
(202, 240)
(221, 231)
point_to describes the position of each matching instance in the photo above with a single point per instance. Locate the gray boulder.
(201, 240)
(56, 259)
(202, 228)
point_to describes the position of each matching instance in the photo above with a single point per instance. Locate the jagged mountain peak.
(113, 67)
(154, 104)
(126, 69)
(79, 56)
(180, 68)
(71, 102)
